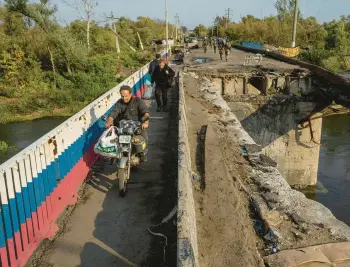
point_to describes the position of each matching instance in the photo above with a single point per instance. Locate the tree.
(285, 9)
(41, 13)
(86, 11)
(201, 30)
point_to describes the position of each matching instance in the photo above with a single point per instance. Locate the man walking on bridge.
(205, 45)
(227, 49)
(162, 76)
(215, 44)
(221, 50)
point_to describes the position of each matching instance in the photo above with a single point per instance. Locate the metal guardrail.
(38, 183)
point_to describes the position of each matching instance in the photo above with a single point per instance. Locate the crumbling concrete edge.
(187, 248)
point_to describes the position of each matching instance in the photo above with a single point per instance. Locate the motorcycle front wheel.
(123, 181)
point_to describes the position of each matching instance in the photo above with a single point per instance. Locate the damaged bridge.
(254, 135)
(219, 187)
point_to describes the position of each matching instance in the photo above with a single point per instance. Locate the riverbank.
(9, 114)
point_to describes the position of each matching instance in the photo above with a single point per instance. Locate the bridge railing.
(37, 184)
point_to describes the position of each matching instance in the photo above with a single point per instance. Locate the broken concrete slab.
(326, 255)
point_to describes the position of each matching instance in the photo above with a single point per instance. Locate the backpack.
(152, 66)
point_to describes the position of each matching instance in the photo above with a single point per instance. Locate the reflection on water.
(334, 167)
(23, 134)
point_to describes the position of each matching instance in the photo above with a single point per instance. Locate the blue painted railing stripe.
(20, 207)
(2, 234)
(31, 196)
(7, 221)
(26, 202)
(14, 217)
(37, 191)
(41, 188)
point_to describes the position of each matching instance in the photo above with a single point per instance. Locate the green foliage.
(201, 30)
(333, 63)
(285, 9)
(47, 69)
(5, 149)
(12, 64)
(315, 56)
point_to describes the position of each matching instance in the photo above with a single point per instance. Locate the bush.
(315, 56)
(5, 149)
(333, 63)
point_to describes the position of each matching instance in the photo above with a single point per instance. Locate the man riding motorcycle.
(130, 108)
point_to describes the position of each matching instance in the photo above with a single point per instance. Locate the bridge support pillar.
(297, 151)
(275, 126)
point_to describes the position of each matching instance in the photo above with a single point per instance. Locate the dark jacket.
(152, 66)
(162, 76)
(134, 110)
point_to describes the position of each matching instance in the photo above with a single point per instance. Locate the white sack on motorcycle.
(107, 146)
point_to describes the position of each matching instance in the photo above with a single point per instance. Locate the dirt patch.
(225, 231)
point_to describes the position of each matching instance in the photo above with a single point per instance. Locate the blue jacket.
(152, 66)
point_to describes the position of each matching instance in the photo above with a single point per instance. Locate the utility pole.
(116, 40)
(296, 9)
(228, 16)
(166, 26)
(177, 24)
(117, 46)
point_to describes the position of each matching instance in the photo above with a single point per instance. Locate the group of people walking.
(220, 44)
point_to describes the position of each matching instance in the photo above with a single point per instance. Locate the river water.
(333, 189)
(20, 135)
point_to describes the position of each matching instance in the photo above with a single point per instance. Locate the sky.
(194, 12)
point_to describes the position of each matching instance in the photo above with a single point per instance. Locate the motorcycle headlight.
(138, 131)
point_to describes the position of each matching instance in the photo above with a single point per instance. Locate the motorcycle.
(131, 148)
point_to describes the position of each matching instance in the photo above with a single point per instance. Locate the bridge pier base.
(275, 126)
(297, 151)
